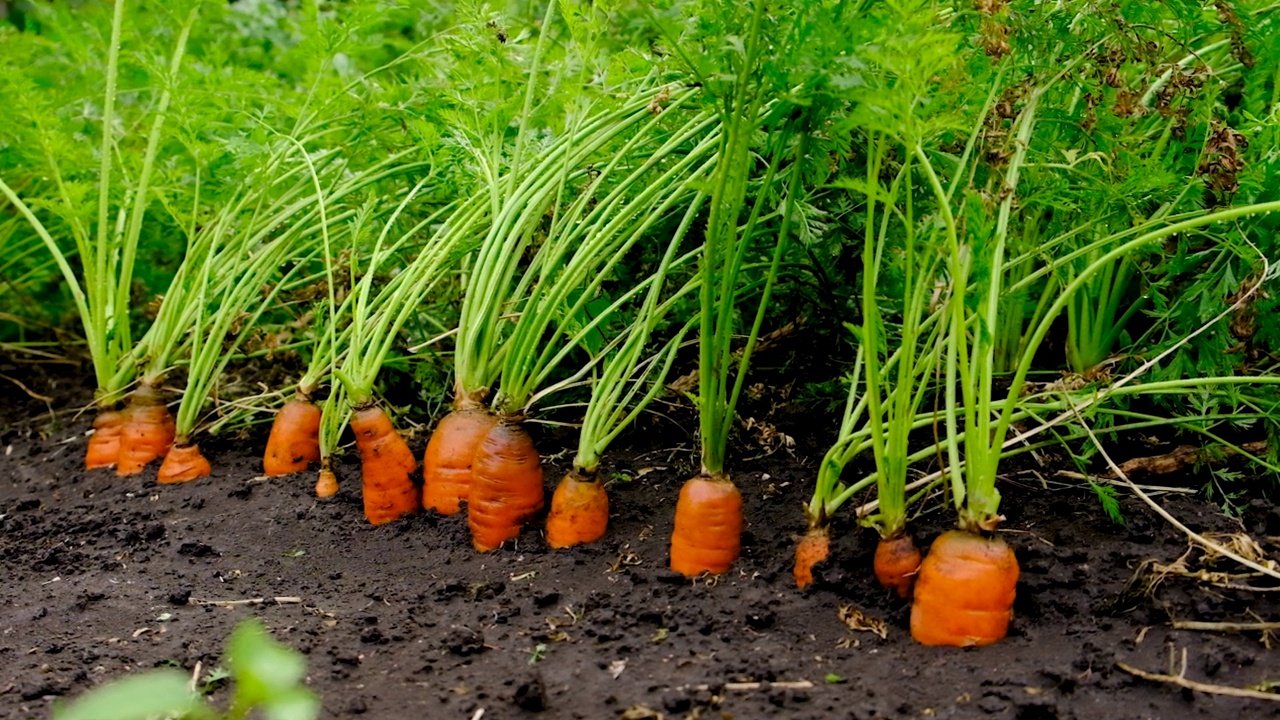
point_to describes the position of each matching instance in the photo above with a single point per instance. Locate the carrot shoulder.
(446, 464)
(506, 485)
(579, 511)
(183, 463)
(294, 442)
(708, 530)
(104, 443)
(147, 432)
(964, 591)
(385, 465)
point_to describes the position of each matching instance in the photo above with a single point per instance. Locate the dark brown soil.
(101, 576)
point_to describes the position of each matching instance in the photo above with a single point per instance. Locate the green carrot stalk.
(101, 294)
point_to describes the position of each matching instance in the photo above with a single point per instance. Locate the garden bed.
(106, 576)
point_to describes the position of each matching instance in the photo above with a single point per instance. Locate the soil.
(105, 576)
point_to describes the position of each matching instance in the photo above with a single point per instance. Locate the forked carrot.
(104, 443)
(708, 531)
(579, 511)
(147, 432)
(812, 549)
(385, 465)
(446, 464)
(327, 482)
(964, 592)
(506, 485)
(294, 442)
(896, 563)
(183, 463)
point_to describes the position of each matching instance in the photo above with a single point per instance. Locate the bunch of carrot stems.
(481, 453)
(107, 252)
(964, 588)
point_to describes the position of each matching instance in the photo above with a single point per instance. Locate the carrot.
(708, 531)
(327, 483)
(147, 431)
(104, 443)
(385, 464)
(294, 442)
(506, 485)
(964, 592)
(446, 465)
(184, 462)
(896, 564)
(811, 550)
(579, 511)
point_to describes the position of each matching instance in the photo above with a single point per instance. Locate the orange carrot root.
(506, 485)
(147, 432)
(104, 443)
(708, 532)
(579, 511)
(446, 465)
(812, 549)
(294, 442)
(964, 592)
(896, 564)
(327, 483)
(183, 463)
(385, 462)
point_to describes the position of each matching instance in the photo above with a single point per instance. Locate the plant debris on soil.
(105, 576)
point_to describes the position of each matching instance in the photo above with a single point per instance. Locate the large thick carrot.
(896, 563)
(294, 442)
(964, 591)
(385, 465)
(812, 549)
(183, 463)
(579, 511)
(147, 432)
(446, 464)
(708, 531)
(506, 485)
(104, 443)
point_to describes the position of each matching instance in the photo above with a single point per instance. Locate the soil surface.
(105, 576)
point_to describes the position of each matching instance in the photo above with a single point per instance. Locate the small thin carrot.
(506, 485)
(812, 549)
(294, 442)
(147, 432)
(579, 510)
(708, 531)
(183, 463)
(446, 464)
(385, 465)
(104, 443)
(964, 591)
(896, 563)
(327, 482)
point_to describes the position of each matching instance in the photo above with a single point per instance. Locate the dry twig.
(286, 600)
(1197, 537)
(1181, 681)
(1224, 626)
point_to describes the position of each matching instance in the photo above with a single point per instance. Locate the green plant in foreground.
(267, 678)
